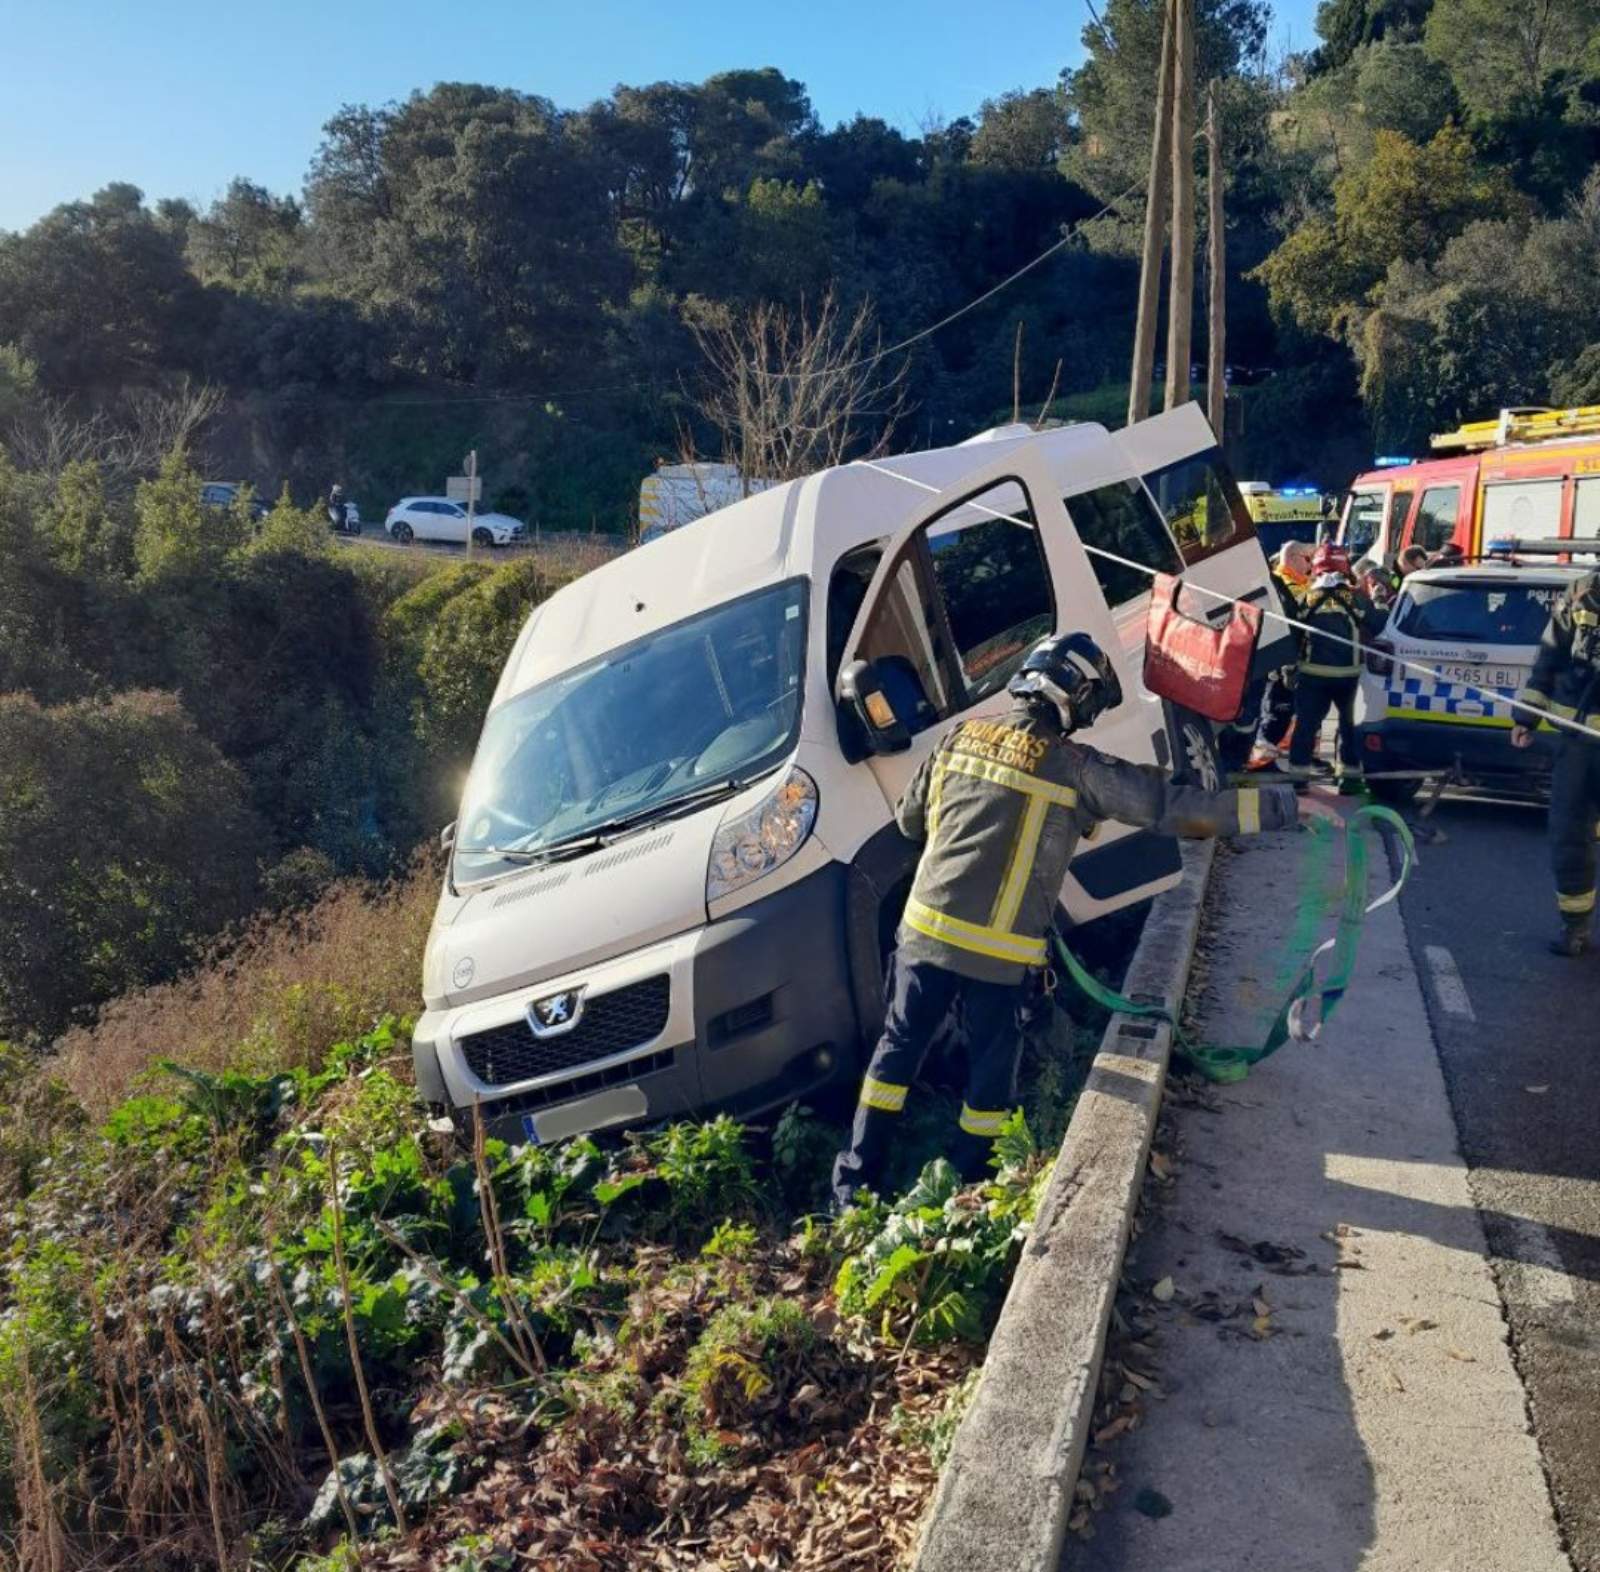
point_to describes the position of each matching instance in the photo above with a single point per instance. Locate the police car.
(1467, 637)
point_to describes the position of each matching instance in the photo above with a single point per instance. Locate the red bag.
(1201, 665)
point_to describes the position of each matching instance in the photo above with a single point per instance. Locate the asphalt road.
(1518, 1032)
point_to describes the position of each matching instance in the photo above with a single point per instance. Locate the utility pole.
(472, 495)
(1216, 324)
(1180, 312)
(1155, 233)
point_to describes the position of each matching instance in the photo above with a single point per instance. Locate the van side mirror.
(447, 837)
(861, 692)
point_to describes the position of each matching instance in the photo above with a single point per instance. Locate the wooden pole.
(1155, 233)
(1216, 316)
(1180, 310)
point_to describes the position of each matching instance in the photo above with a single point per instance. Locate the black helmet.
(1072, 674)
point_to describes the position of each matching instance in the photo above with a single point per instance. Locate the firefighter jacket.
(1002, 804)
(1339, 618)
(1566, 672)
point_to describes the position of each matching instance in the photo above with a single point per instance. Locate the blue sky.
(178, 96)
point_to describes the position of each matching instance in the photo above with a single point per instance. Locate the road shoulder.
(1356, 1404)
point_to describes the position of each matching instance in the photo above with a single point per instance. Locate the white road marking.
(1536, 1266)
(1447, 984)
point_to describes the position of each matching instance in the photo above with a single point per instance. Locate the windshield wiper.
(610, 830)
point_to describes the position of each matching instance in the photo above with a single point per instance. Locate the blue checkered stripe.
(1435, 696)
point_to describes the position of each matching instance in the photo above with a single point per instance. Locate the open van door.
(961, 595)
(1177, 457)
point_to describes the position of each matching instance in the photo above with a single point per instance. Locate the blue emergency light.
(1298, 491)
(1391, 461)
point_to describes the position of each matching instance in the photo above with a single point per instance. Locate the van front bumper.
(741, 1014)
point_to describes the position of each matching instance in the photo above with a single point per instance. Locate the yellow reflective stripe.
(1311, 670)
(1504, 722)
(883, 1094)
(1578, 905)
(973, 936)
(1024, 849)
(983, 1121)
(934, 791)
(1017, 780)
(1533, 698)
(1250, 810)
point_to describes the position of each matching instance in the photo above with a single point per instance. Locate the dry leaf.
(1164, 1290)
(1466, 1359)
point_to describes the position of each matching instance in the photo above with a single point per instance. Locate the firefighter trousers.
(1314, 696)
(1574, 813)
(920, 996)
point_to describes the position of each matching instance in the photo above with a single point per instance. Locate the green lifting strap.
(1310, 1003)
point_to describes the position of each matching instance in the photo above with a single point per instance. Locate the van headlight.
(764, 837)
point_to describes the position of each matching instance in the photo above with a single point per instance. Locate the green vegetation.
(200, 719)
(272, 1314)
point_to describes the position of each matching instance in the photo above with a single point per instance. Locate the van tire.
(1195, 760)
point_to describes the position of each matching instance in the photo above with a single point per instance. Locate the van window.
(1522, 510)
(1201, 504)
(847, 589)
(1436, 517)
(1586, 509)
(1362, 520)
(904, 639)
(994, 583)
(1119, 518)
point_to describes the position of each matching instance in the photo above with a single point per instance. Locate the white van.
(676, 873)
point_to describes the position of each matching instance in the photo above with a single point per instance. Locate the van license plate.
(618, 1105)
(1483, 676)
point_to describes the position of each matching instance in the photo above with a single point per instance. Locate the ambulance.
(1529, 474)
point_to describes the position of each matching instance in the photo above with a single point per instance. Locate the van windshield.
(708, 703)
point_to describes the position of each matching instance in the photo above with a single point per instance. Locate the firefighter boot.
(1573, 939)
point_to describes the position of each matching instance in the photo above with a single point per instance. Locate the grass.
(273, 997)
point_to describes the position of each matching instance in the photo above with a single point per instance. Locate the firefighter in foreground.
(1001, 804)
(1566, 682)
(1329, 673)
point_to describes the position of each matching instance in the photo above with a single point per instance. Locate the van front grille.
(611, 1023)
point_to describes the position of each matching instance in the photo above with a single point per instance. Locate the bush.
(124, 835)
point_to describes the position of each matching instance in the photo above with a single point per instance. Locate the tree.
(790, 392)
(1499, 54)
(1111, 96)
(176, 531)
(97, 292)
(1401, 87)
(1345, 26)
(1022, 131)
(1403, 204)
(247, 240)
(441, 216)
(123, 837)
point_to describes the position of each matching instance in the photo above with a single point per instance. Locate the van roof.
(797, 529)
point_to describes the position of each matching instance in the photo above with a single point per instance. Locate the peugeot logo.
(555, 1013)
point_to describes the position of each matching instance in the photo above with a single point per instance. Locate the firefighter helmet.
(1073, 675)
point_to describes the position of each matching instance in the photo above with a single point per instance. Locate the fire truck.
(1529, 474)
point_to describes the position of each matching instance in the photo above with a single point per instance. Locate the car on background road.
(438, 518)
(1438, 684)
(224, 493)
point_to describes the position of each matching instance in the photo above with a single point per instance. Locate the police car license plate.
(1483, 676)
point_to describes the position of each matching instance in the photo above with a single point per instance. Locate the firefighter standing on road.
(1290, 571)
(1566, 681)
(1330, 662)
(1001, 804)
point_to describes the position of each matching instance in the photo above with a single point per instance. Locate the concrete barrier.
(1005, 1494)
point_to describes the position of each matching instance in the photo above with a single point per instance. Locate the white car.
(1467, 638)
(438, 518)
